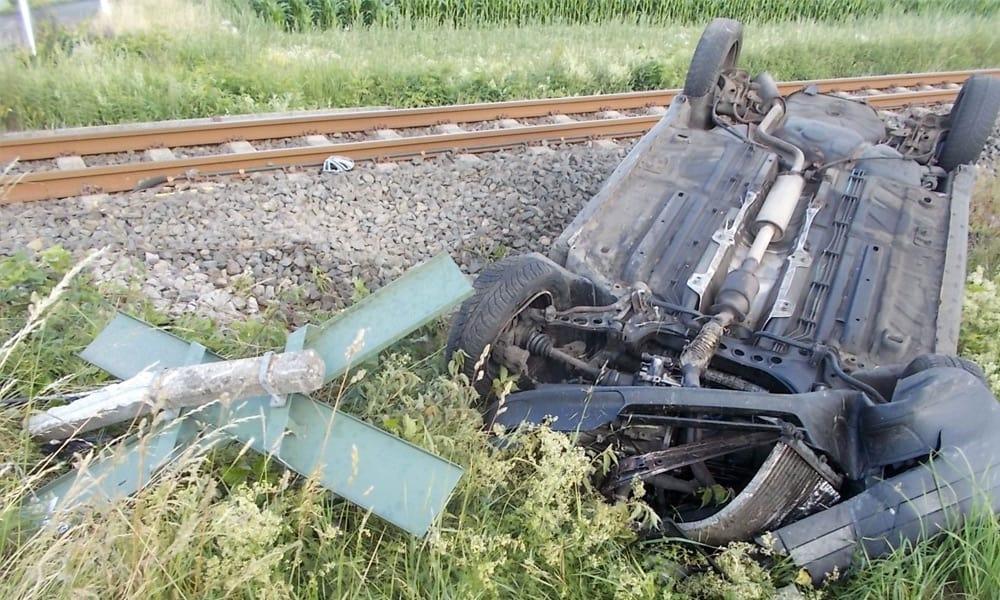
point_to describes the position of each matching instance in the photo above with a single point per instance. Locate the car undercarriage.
(758, 314)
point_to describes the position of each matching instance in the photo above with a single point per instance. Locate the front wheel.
(718, 50)
(972, 120)
(502, 291)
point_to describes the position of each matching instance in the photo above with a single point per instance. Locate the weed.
(525, 520)
(963, 563)
(984, 222)
(169, 60)
(360, 290)
(299, 15)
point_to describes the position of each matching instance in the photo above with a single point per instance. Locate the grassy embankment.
(177, 60)
(297, 15)
(524, 523)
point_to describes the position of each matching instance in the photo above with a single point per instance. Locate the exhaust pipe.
(740, 288)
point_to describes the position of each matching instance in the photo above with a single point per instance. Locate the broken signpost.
(379, 472)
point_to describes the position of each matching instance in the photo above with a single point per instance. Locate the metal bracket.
(799, 258)
(724, 238)
(262, 378)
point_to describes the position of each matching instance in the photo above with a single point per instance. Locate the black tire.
(933, 361)
(502, 290)
(717, 50)
(972, 120)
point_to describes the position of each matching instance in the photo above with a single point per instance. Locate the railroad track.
(66, 163)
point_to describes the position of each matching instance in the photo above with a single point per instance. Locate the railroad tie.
(70, 163)
(239, 147)
(160, 154)
(448, 128)
(317, 140)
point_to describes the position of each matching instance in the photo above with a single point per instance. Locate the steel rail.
(901, 99)
(103, 140)
(60, 184)
(124, 177)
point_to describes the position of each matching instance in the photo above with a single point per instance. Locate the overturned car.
(761, 307)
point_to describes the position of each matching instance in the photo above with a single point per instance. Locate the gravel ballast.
(234, 246)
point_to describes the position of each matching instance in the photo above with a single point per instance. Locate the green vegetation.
(960, 564)
(10, 6)
(296, 15)
(175, 60)
(525, 521)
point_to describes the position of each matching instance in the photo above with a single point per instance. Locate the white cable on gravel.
(231, 246)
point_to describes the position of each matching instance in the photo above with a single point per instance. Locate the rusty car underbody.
(761, 307)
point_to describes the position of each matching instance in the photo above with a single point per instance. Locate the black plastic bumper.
(946, 413)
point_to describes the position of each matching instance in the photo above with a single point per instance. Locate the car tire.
(933, 361)
(502, 290)
(973, 118)
(717, 50)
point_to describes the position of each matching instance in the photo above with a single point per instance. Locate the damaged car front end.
(761, 307)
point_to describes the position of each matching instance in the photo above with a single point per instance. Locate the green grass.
(10, 6)
(525, 522)
(984, 222)
(180, 61)
(963, 563)
(304, 14)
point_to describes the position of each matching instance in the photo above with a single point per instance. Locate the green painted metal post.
(398, 481)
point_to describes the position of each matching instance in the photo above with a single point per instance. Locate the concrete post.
(29, 30)
(172, 389)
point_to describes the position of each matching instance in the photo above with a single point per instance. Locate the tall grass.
(175, 60)
(525, 521)
(296, 15)
(961, 564)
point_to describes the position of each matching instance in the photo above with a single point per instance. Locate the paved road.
(69, 13)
